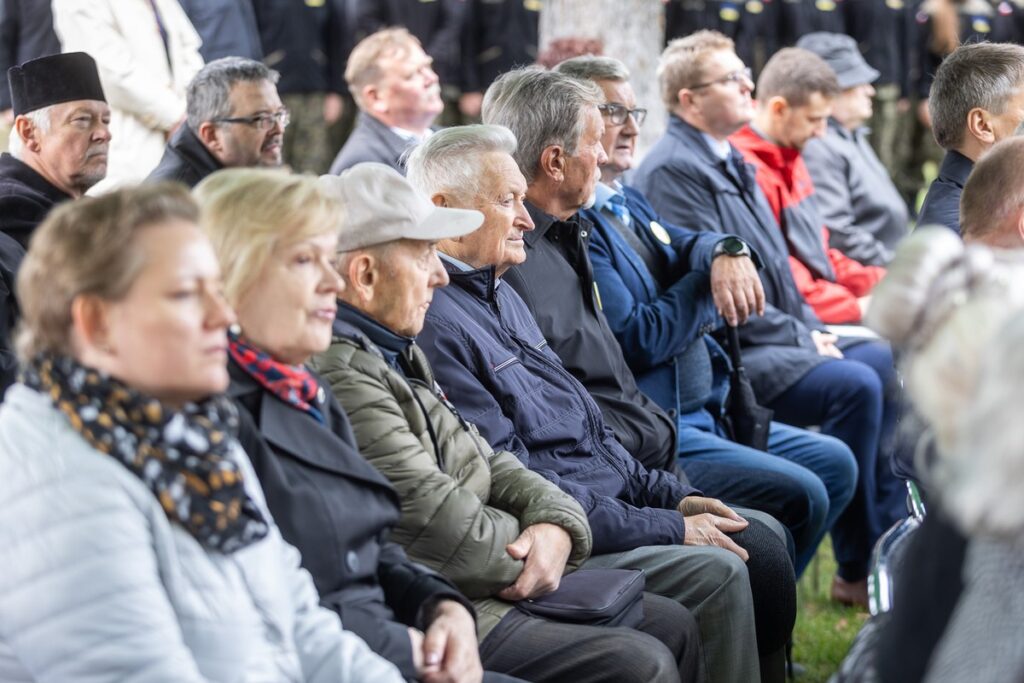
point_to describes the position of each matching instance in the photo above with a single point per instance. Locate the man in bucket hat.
(864, 212)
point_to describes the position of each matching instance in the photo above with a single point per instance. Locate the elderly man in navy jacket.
(659, 287)
(694, 177)
(496, 366)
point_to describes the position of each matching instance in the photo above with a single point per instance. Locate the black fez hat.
(50, 80)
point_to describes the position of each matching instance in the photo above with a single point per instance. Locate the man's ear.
(372, 101)
(90, 317)
(777, 105)
(28, 133)
(552, 162)
(1020, 229)
(209, 135)
(361, 276)
(979, 124)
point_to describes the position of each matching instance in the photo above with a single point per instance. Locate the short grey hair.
(209, 92)
(594, 68)
(541, 108)
(41, 120)
(451, 160)
(981, 75)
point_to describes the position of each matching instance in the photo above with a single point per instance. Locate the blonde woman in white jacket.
(145, 66)
(135, 539)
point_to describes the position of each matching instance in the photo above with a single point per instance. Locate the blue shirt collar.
(603, 192)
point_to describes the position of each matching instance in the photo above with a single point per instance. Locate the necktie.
(617, 205)
(164, 36)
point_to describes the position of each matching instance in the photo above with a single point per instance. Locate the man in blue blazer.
(656, 290)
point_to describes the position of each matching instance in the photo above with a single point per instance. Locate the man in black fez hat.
(58, 145)
(58, 151)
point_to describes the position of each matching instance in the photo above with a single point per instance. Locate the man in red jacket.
(795, 94)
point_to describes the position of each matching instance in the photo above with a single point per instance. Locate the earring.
(234, 329)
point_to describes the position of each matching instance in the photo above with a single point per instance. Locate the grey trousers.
(665, 648)
(713, 584)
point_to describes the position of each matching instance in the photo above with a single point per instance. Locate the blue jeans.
(804, 480)
(856, 401)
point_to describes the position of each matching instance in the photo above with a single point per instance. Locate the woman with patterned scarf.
(136, 540)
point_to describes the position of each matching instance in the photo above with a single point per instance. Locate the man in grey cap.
(860, 204)
(501, 532)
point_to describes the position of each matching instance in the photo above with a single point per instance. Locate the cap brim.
(864, 73)
(444, 223)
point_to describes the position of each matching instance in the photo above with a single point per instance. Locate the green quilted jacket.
(462, 503)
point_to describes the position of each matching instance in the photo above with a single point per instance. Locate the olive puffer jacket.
(462, 503)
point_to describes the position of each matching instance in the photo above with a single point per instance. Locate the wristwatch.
(731, 246)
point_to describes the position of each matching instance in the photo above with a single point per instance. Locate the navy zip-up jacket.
(495, 366)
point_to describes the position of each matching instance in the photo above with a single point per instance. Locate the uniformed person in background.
(753, 25)
(304, 42)
(881, 29)
(497, 36)
(797, 18)
(437, 24)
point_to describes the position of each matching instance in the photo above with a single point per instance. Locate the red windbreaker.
(829, 281)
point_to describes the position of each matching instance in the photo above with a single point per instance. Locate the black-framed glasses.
(617, 113)
(264, 122)
(738, 76)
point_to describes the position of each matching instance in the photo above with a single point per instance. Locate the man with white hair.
(58, 151)
(59, 142)
(493, 362)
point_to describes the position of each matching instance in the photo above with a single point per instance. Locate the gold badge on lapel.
(755, 6)
(660, 232)
(825, 5)
(981, 25)
(533, 5)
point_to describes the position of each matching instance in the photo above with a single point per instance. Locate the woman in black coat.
(329, 502)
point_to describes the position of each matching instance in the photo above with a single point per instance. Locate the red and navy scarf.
(293, 384)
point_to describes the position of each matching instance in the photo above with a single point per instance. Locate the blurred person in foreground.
(956, 313)
(127, 496)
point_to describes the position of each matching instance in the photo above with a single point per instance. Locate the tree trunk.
(632, 31)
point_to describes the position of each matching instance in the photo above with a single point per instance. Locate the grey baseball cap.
(381, 206)
(842, 54)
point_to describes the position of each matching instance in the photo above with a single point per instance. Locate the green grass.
(824, 629)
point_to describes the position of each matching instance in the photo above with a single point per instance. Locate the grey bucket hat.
(842, 54)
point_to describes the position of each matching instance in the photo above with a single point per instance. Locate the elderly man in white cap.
(501, 532)
(863, 210)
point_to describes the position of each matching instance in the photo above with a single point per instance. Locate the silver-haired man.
(493, 362)
(234, 118)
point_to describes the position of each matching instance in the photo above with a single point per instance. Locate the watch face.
(732, 245)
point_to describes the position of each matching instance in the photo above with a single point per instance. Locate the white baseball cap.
(382, 206)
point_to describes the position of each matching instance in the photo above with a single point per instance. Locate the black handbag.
(747, 420)
(595, 597)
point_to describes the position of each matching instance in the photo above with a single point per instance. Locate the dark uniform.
(497, 36)
(797, 18)
(227, 27)
(305, 42)
(752, 24)
(881, 29)
(26, 32)
(437, 24)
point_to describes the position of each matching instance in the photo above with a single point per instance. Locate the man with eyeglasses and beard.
(234, 119)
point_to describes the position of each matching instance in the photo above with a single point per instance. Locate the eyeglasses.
(261, 121)
(617, 113)
(741, 75)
